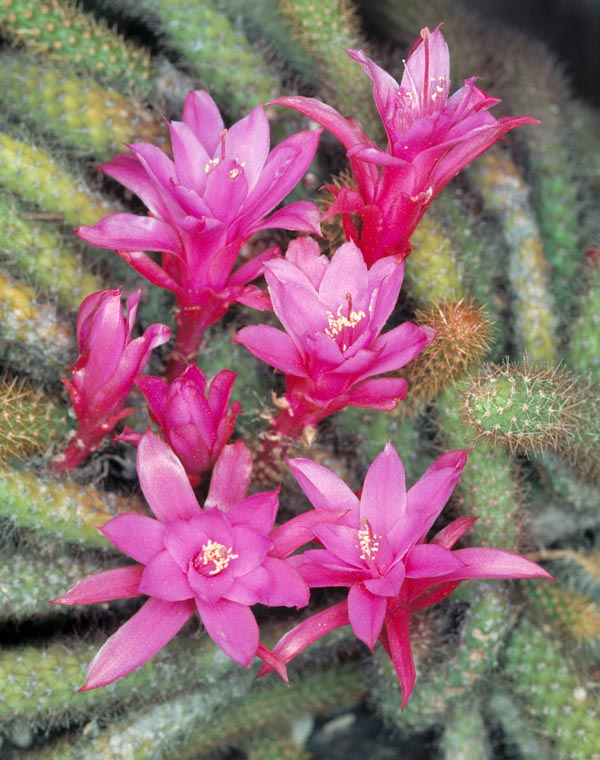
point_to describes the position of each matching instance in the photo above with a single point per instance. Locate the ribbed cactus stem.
(488, 484)
(521, 731)
(504, 190)
(33, 335)
(432, 270)
(63, 31)
(30, 420)
(37, 177)
(465, 736)
(552, 692)
(217, 52)
(32, 575)
(40, 684)
(76, 111)
(531, 409)
(468, 659)
(67, 511)
(33, 248)
(323, 29)
(583, 353)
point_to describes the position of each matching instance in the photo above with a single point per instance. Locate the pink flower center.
(341, 326)
(213, 558)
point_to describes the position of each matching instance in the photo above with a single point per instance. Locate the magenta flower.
(378, 550)
(333, 312)
(102, 377)
(203, 206)
(195, 424)
(430, 139)
(217, 561)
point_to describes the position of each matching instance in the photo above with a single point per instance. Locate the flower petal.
(230, 478)
(119, 583)
(164, 482)
(137, 640)
(232, 627)
(323, 489)
(128, 232)
(383, 497)
(163, 579)
(139, 536)
(366, 613)
(399, 649)
(273, 347)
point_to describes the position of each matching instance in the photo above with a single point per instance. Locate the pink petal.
(273, 347)
(495, 563)
(399, 649)
(164, 482)
(308, 631)
(366, 613)
(226, 190)
(328, 117)
(149, 269)
(449, 535)
(163, 579)
(323, 489)
(137, 640)
(248, 141)
(155, 391)
(275, 583)
(138, 536)
(190, 157)
(298, 531)
(120, 583)
(299, 216)
(128, 232)
(232, 627)
(201, 114)
(230, 478)
(396, 348)
(431, 561)
(381, 393)
(256, 511)
(127, 170)
(388, 584)
(385, 477)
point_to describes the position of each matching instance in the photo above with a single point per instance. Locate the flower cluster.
(221, 557)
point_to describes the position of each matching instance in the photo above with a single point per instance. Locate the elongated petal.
(232, 627)
(300, 530)
(231, 477)
(366, 613)
(275, 583)
(201, 114)
(300, 216)
(126, 169)
(324, 489)
(256, 511)
(383, 498)
(252, 130)
(164, 482)
(380, 393)
(431, 561)
(325, 115)
(149, 269)
(138, 536)
(308, 631)
(495, 563)
(120, 583)
(128, 232)
(396, 348)
(399, 649)
(137, 640)
(449, 535)
(273, 347)
(389, 584)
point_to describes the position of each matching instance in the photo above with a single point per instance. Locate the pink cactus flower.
(102, 377)
(431, 137)
(195, 424)
(217, 561)
(203, 206)
(378, 550)
(333, 312)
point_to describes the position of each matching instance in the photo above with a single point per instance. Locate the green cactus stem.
(465, 736)
(34, 250)
(468, 659)
(552, 692)
(583, 353)
(432, 270)
(32, 173)
(521, 731)
(30, 577)
(62, 31)
(488, 485)
(217, 52)
(323, 29)
(68, 511)
(76, 111)
(40, 684)
(531, 409)
(504, 190)
(30, 420)
(32, 334)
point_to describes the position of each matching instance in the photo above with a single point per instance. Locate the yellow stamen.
(218, 554)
